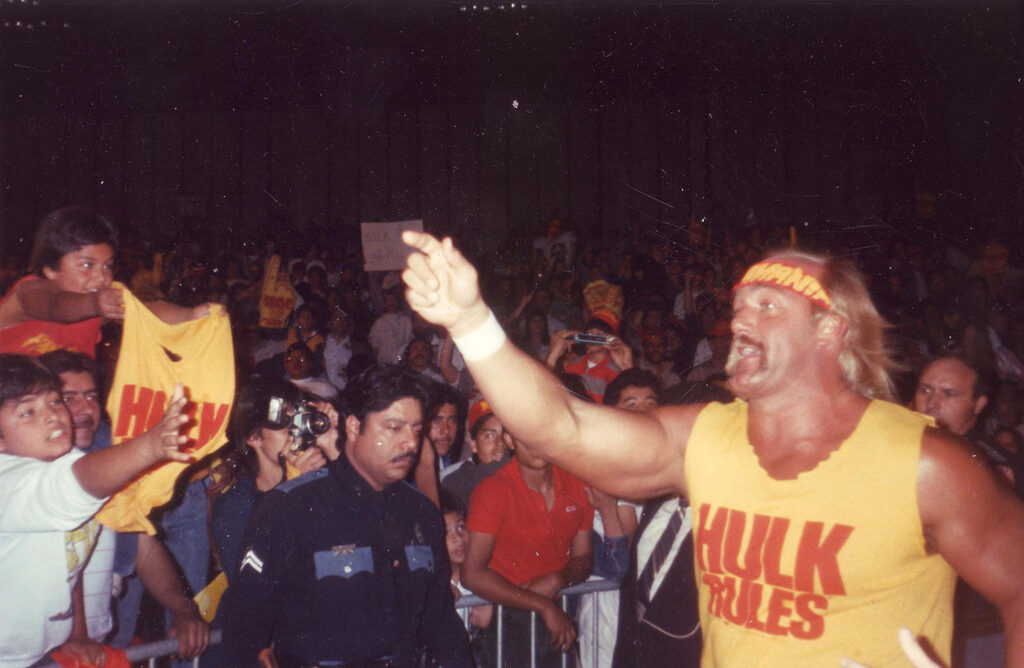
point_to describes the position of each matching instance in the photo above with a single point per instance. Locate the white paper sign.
(383, 248)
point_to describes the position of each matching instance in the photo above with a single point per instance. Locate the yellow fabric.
(277, 297)
(145, 377)
(208, 599)
(804, 572)
(603, 296)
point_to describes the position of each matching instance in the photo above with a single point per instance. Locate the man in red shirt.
(529, 537)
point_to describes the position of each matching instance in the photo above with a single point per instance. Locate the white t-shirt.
(389, 336)
(46, 537)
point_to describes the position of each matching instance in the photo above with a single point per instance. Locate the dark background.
(192, 118)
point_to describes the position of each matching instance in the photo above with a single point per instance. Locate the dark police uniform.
(335, 573)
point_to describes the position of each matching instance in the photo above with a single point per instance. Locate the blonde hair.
(865, 359)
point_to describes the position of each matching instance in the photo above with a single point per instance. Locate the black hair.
(597, 323)
(441, 394)
(21, 375)
(66, 231)
(378, 387)
(299, 345)
(249, 415)
(450, 503)
(573, 384)
(632, 377)
(63, 360)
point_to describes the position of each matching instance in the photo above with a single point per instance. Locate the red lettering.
(778, 609)
(133, 406)
(157, 409)
(815, 555)
(212, 419)
(715, 590)
(739, 615)
(734, 541)
(754, 605)
(814, 624)
(773, 554)
(710, 537)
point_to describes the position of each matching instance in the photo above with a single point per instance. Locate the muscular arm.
(598, 444)
(977, 524)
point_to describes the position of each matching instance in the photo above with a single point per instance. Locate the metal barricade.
(152, 651)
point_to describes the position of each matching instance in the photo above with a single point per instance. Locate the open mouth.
(743, 349)
(58, 433)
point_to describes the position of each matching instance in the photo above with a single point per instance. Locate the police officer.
(347, 565)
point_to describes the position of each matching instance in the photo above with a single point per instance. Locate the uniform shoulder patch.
(303, 479)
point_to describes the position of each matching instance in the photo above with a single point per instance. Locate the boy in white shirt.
(49, 492)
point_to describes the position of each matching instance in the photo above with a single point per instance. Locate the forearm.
(159, 576)
(489, 585)
(542, 417)
(448, 370)
(79, 624)
(58, 306)
(578, 569)
(426, 473)
(104, 472)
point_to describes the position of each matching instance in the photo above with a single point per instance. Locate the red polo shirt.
(530, 541)
(595, 378)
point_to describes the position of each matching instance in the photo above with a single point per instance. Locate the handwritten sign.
(383, 248)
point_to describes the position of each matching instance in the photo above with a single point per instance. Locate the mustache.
(400, 458)
(739, 341)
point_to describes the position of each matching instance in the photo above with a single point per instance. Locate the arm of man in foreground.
(158, 575)
(977, 524)
(594, 443)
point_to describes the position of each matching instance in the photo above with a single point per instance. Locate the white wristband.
(483, 341)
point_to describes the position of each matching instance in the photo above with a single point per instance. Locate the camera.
(593, 339)
(305, 424)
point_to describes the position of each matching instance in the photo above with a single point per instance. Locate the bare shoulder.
(972, 518)
(955, 481)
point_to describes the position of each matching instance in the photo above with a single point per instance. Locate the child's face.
(35, 425)
(87, 269)
(456, 537)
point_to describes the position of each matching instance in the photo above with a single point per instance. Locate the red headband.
(788, 276)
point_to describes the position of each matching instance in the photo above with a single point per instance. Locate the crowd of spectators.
(662, 296)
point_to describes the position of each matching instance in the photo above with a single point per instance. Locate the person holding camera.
(606, 354)
(267, 442)
(347, 565)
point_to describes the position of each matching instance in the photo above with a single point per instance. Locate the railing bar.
(533, 640)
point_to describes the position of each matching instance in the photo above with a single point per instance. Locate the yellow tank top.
(805, 572)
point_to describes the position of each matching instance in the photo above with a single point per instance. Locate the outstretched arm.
(977, 525)
(44, 300)
(105, 471)
(598, 444)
